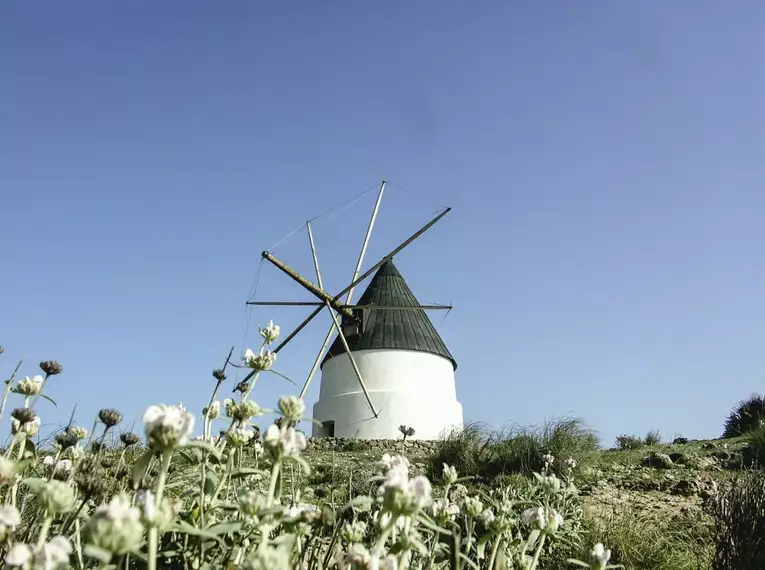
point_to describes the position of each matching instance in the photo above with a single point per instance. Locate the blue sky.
(603, 161)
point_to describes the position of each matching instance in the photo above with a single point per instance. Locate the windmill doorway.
(327, 429)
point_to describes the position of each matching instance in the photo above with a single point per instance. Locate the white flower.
(487, 517)
(599, 557)
(52, 466)
(213, 411)
(239, 436)
(292, 407)
(29, 428)
(149, 506)
(548, 460)
(79, 432)
(270, 333)
(10, 517)
(450, 474)
(19, 555)
(570, 463)
(56, 552)
(543, 519)
(261, 361)
(116, 526)
(421, 490)
(30, 386)
(56, 497)
(289, 442)
(257, 447)
(8, 471)
(472, 506)
(167, 427)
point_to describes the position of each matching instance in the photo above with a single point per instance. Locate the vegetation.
(536, 498)
(748, 415)
(556, 445)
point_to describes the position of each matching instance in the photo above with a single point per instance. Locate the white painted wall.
(407, 387)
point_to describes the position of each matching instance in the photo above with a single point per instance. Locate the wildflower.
(56, 497)
(19, 555)
(292, 407)
(29, 428)
(353, 531)
(55, 553)
(10, 518)
(109, 417)
(270, 333)
(472, 506)
(239, 436)
(51, 367)
(269, 557)
(288, 442)
(257, 447)
(66, 439)
(62, 466)
(8, 471)
(79, 432)
(487, 517)
(23, 415)
(30, 386)
(213, 411)
(251, 501)
(74, 453)
(167, 427)
(128, 439)
(570, 463)
(442, 512)
(599, 557)
(541, 518)
(219, 375)
(551, 483)
(116, 527)
(450, 474)
(548, 460)
(262, 361)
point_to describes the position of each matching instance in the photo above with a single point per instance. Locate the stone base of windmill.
(378, 445)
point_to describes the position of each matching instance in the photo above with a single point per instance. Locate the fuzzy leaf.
(226, 528)
(97, 553)
(426, 521)
(34, 483)
(206, 446)
(245, 472)
(357, 502)
(211, 483)
(185, 528)
(139, 469)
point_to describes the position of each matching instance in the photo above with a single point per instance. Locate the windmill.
(388, 368)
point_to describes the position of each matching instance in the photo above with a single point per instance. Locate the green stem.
(538, 552)
(153, 532)
(494, 550)
(44, 532)
(272, 485)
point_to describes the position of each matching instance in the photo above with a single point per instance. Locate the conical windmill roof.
(392, 328)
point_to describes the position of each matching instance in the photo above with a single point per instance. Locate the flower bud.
(292, 407)
(262, 361)
(56, 497)
(219, 375)
(116, 527)
(129, 439)
(51, 367)
(109, 417)
(450, 474)
(270, 333)
(239, 436)
(167, 427)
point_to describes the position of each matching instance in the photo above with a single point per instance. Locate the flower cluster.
(167, 427)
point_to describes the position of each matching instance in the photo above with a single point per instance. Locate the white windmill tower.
(388, 366)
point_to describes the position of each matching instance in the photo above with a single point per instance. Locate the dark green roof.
(392, 328)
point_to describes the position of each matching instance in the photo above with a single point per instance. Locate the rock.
(679, 458)
(680, 441)
(685, 488)
(657, 461)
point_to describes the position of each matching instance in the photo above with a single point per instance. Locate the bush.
(653, 437)
(640, 541)
(477, 451)
(747, 415)
(739, 524)
(754, 453)
(465, 449)
(625, 442)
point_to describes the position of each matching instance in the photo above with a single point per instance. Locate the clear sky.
(604, 162)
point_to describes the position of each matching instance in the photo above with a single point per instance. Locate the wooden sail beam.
(317, 291)
(358, 280)
(351, 307)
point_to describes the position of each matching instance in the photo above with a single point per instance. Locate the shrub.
(746, 416)
(464, 449)
(625, 442)
(739, 524)
(754, 453)
(521, 450)
(477, 451)
(640, 541)
(653, 437)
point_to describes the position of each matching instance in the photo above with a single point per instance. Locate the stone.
(685, 488)
(657, 461)
(679, 458)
